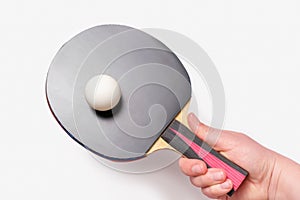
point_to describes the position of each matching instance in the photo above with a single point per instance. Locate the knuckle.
(193, 181)
(196, 181)
(207, 192)
(211, 192)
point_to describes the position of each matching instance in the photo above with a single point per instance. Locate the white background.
(255, 46)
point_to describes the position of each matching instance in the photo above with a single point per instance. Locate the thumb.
(213, 137)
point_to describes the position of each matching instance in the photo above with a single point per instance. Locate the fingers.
(208, 134)
(212, 181)
(213, 176)
(192, 167)
(218, 190)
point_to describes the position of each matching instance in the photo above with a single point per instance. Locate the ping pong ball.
(102, 92)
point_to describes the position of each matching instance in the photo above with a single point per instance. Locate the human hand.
(239, 148)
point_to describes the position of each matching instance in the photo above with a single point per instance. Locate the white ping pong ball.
(102, 92)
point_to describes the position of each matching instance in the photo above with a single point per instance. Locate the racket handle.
(184, 141)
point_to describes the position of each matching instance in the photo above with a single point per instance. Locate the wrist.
(284, 174)
(276, 169)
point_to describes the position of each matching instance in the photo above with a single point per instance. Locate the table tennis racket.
(155, 88)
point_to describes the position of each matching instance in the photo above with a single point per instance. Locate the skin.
(271, 175)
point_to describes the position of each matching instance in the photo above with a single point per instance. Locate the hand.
(241, 149)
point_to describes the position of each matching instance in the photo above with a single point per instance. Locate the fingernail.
(226, 184)
(197, 169)
(218, 176)
(193, 122)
